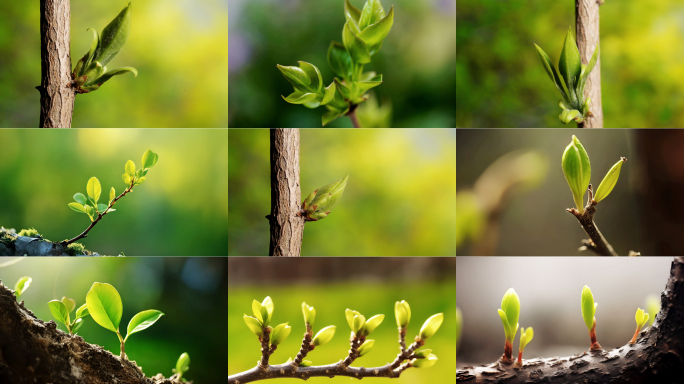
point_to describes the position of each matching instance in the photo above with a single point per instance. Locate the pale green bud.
(424, 363)
(510, 313)
(641, 318)
(254, 325)
(423, 353)
(305, 363)
(577, 171)
(431, 326)
(324, 335)
(372, 323)
(280, 333)
(320, 203)
(569, 115)
(608, 182)
(263, 311)
(366, 347)
(588, 307)
(525, 337)
(359, 322)
(349, 315)
(309, 314)
(402, 312)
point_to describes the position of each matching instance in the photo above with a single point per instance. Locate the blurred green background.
(188, 291)
(501, 81)
(399, 200)
(179, 47)
(416, 60)
(330, 285)
(181, 209)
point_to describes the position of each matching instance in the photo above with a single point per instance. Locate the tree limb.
(657, 357)
(587, 28)
(56, 94)
(597, 243)
(32, 351)
(287, 226)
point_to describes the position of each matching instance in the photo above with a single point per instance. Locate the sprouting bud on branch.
(577, 170)
(320, 203)
(309, 314)
(402, 312)
(324, 335)
(431, 326)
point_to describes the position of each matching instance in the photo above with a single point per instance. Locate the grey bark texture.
(56, 95)
(287, 226)
(587, 27)
(32, 351)
(11, 244)
(656, 357)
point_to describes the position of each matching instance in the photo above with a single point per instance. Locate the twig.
(354, 350)
(99, 216)
(352, 116)
(306, 345)
(597, 243)
(265, 351)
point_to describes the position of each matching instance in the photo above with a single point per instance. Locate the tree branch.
(287, 227)
(32, 351)
(597, 243)
(306, 345)
(587, 28)
(352, 116)
(657, 357)
(56, 95)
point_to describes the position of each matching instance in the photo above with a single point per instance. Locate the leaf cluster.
(362, 37)
(61, 310)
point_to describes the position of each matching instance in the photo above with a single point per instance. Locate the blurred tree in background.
(187, 291)
(501, 81)
(416, 60)
(368, 285)
(179, 48)
(181, 209)
(399, 199)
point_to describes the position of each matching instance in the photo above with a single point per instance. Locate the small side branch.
(596, 243)
(352, 116)
(306, 346)
(355, 343)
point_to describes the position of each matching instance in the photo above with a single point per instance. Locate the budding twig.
(354, 350)
(306, 345)
(597, 243)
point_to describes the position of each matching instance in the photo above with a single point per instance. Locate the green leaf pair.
(263, 312)
(320, 203)
(61, 309)
(91, 71)
(509, 313)
(105, 307)
(402, 313)
(22, 285)
(525, 338)
(89, 205)
(577, 171)
(641, 318)
(570, 79)
(359, 325)
(362, 37)
(182, 365)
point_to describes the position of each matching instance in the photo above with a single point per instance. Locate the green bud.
(641, 318)
(423, 353)
(402, 313)
(564, 105)
(525, 337)
(509, 313)
(577, 171)
(309, 314)
(254, 325)
(431, 326)
(569, 115)
(323, 200)
(130, 168)
(372, 323)
(324, 335)
(305, 363)
(588, 307)
(280, 333)
(608, 182)
(268, 304)
(349, 315)
(366, 347)
(424, 363)
(359, 322)
(263, 311)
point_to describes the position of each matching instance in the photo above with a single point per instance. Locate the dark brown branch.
(587, 28)
(99, 216)
(306, 345)
(56, 95)
(657, 357)
(405, 354)
(287, 227)
(355, 343)
(597, 243)
(265, 351)
(33, 351)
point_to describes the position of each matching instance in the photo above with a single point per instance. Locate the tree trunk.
(32, 351)
(657, 357)
(287, 226)
(587, 14)
(56, 95)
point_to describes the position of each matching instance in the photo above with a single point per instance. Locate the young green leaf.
(376, 33)
(309, 314)
(609, 181)
(371, 13)
(366, 347)
(91, 53)
(509, 313)
(93, 72)
(570, 66)
(59, 311)
(103, 207)
(70, 304)
(324, 335)
(77, 207)
(104, 305)
(130, 168)
(114, 36)
(641, 318)
(351, 12)
(349, 315)
(330, 116)
(126, 179)
(316, 80)
(424, 363)
(267, 305)
(299, 97)
(103, 78)
(553, 73)
(254, 325)
(140, 180)
(280, 333)
(577, 171)
(431, 326)
(82, 311)
(142, 321)
(588, 307)
(149, 159)
(372, 323)
(525, 337)
(423, 353)
(340, 61)
(298, 78)
(112, 195)
(402, 313)
(183, 364)
(94, 188)
(358, 50)
(364, 86)
(358, 324)
(569, 115)
(76, 325)
(80, 198)
(22, 285)
(586, 72)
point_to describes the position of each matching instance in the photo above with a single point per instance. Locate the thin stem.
(265, 352)
(354, 350)
(123, 349)
(595, 346)
(507, 357)
(352, 116)
(99, 216)
(596, 243)
(306, 344)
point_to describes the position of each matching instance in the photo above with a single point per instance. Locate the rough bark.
(11, 244)
(587, 27)
(287, 227)
(56, 95)
(657, 357)
(32, 351)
